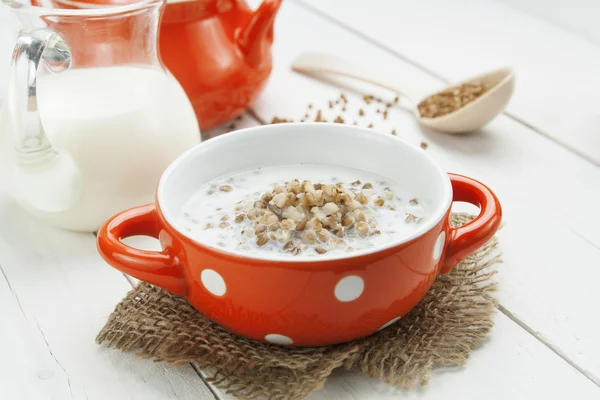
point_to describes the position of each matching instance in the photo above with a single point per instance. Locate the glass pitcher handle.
(31, 47)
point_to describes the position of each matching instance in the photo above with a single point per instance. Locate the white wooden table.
(542, 157)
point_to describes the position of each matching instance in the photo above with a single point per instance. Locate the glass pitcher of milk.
(91, 117)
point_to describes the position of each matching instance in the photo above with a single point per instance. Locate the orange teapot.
(219, 50)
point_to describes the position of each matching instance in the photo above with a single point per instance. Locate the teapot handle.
(47, 180)
(28, 133)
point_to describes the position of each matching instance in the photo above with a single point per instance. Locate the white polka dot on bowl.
(276, 338)
(389, 323)
(349, 288)
(439, 246)
(213, 282)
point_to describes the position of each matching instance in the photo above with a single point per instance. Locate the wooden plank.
(557, 89)
(579, 17)
(510, 365)
(550, 240)
(243, 121)
(55, 295)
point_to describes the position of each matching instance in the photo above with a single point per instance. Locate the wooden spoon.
(468, 118)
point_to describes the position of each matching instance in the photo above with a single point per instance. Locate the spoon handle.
(313, 63)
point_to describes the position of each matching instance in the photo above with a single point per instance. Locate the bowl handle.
(468, 238)
(158, 268)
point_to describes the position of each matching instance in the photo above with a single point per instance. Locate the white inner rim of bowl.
(304, 143)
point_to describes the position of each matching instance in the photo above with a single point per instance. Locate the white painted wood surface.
(55, 295)
(511, 365)
(56, 292)
(557, 91)
(578, 16)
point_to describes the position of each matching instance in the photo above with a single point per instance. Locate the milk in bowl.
(298, 211)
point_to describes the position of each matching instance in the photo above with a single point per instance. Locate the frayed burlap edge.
(442, 330)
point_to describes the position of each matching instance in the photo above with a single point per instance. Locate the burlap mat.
(451, 321)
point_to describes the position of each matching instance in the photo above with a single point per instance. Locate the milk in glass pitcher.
(91, 116)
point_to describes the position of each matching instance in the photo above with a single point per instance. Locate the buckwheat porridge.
(307, 210)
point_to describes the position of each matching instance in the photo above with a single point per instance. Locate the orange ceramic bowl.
(307, 301)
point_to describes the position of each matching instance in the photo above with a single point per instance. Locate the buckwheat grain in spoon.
(461, 108)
